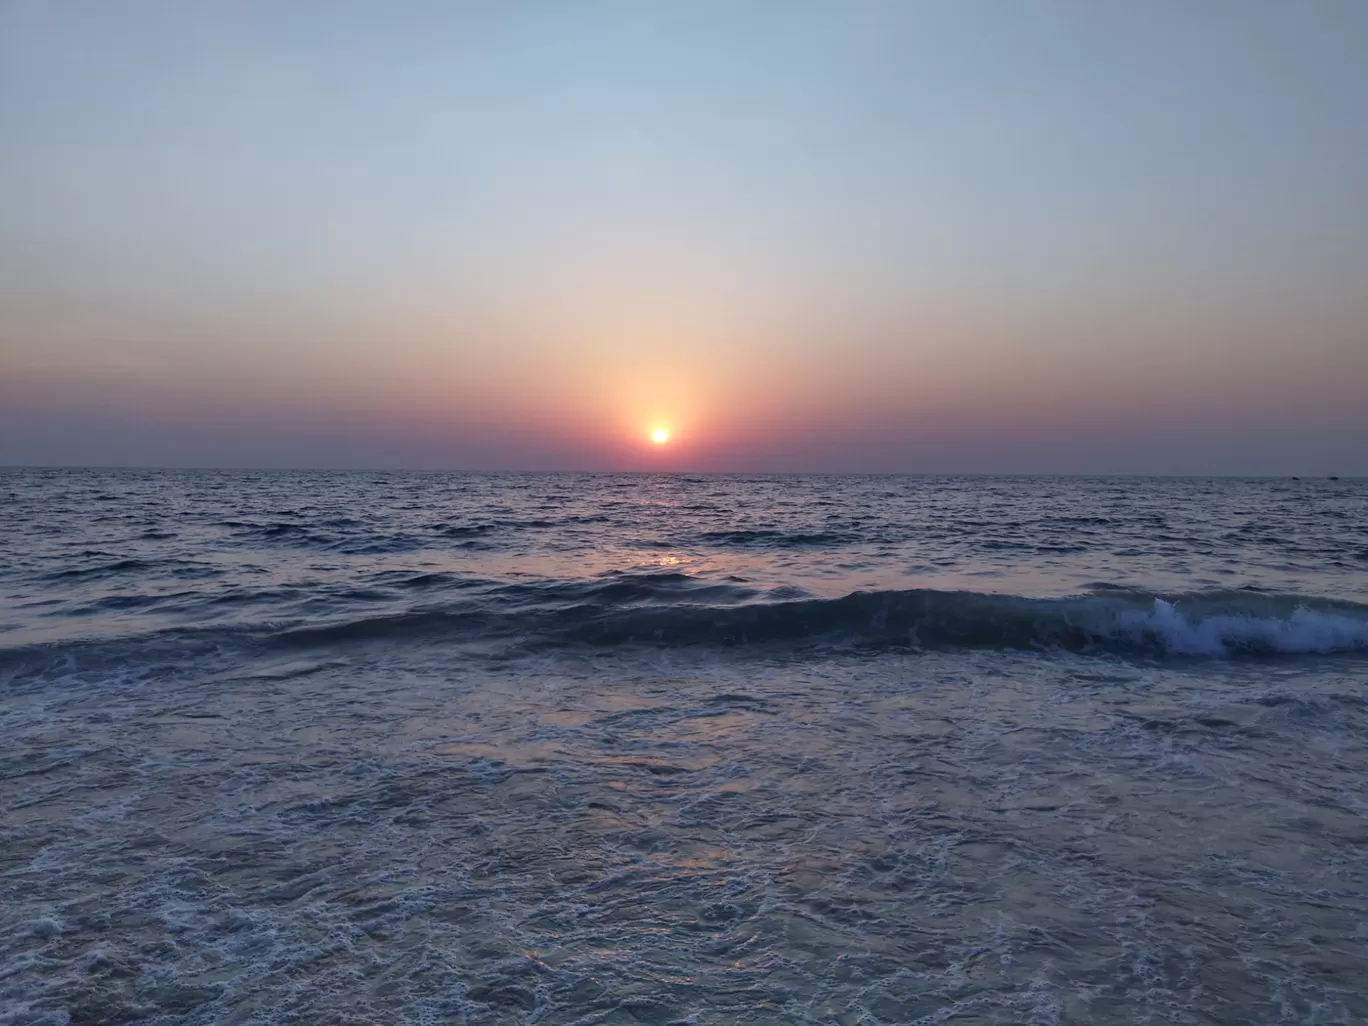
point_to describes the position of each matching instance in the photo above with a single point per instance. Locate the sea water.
(441, 748)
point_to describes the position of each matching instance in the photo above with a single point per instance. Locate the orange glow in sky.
(827, 254)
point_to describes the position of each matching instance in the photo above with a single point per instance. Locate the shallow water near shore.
(1073, 752)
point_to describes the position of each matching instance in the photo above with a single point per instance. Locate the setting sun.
(660, 436)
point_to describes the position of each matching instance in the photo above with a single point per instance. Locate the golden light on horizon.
(660, 436)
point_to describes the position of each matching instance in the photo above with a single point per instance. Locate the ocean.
(375, 748)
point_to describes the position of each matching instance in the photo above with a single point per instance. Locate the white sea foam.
(1303, 630)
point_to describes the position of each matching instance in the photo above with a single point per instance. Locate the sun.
(660, 436)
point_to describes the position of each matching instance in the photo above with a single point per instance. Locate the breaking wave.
(675, 610)
(1214, 625)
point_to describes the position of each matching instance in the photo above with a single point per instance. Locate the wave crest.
(1203, 625)
(1298, 630)
(674, 610)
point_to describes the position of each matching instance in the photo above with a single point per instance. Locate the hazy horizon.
(534, 472)
(933, 237)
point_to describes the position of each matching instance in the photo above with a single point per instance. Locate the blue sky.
(866, 236)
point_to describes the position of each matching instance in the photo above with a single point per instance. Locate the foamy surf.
(1302, 630)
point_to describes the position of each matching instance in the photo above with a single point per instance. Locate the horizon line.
(242, 469)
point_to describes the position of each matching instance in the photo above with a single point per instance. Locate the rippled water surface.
(367, 748)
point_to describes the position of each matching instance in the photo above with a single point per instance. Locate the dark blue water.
(438, 748)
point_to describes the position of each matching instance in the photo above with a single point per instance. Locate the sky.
(928, 236)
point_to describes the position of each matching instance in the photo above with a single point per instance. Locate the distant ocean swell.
(352, 536)
(674, 610)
